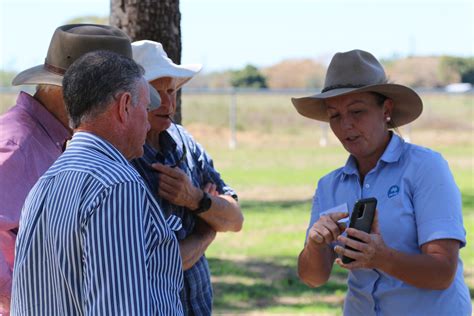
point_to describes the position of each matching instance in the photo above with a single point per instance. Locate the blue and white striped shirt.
(93, 241)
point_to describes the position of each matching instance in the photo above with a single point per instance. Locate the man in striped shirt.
(92, 239)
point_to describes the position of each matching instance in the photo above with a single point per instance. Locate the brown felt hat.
(359, 71)
(69, 42)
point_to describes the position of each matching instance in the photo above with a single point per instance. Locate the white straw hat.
(153, 58)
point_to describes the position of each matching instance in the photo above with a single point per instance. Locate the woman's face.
(360, 124)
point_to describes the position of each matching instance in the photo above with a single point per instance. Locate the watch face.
(204, 203)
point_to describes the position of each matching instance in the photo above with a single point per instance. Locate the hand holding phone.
(362, 218)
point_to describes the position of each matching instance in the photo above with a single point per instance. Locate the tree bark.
(156, 20)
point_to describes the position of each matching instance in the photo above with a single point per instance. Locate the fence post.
(233, 119)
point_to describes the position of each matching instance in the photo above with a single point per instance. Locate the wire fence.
(270, 111)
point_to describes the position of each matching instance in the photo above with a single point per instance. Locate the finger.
(363, 236)
(172, 172)
(214, 190)
(375, 224)
(348, 266)
(207, 187)
(315, 236)
(327, 235)
(172, 181)
(357, 245)
(338, 215)
(170, 189)
(165, 195)
(333, 227)
(343, 251)
(171, 195)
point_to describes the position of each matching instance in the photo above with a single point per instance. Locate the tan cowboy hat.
(69, 42)
(359, 71)
(153, 58)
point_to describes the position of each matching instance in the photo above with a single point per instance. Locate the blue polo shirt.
(418, 201)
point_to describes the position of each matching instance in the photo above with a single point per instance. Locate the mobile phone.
(361, 218)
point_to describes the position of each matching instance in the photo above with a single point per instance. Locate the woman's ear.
(387, 109)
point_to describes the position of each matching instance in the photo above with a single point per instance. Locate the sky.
(229, 34)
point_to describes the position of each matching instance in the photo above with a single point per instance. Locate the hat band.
(342, 86)
(54, 69)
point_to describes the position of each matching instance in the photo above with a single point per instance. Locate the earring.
(388, 118)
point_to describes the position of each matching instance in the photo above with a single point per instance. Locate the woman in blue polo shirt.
(409, 264)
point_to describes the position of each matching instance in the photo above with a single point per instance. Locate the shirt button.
(367, 185)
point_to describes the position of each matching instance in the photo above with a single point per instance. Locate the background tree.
(249, 77)
(462, 66)
(156, 20)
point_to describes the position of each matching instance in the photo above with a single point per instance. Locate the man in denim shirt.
(181, 174)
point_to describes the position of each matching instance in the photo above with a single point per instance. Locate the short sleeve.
(315, 211)
(437, 202)
(15, 183)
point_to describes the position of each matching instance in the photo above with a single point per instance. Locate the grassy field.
(275, 168)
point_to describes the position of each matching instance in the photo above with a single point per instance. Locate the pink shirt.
(31, 139)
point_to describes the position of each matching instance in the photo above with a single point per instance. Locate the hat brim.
(37, 75)
(183, 73)
(407, 104)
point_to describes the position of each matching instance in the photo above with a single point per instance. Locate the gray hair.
(94, 80)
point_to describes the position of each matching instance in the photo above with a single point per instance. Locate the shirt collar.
(391, 154)
(55, 129)
(394, 149)
(93, 142)
(167, 143)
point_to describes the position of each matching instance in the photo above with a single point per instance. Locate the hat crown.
(354, 69)
(69, 42)
(153, 58)
(144, 50)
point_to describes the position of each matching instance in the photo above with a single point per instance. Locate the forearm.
(427, 271)
(224, 214)
(315, 264)
(192, 248)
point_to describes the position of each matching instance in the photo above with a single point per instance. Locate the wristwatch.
(204, 204)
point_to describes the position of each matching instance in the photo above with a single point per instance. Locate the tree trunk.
(156, 20)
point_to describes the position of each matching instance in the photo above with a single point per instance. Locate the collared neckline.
(50, 124)
(97, 143)
(167, 146)
(391, 154)
(393, 151)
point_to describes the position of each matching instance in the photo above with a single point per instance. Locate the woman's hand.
(369, 252)
(326, 229)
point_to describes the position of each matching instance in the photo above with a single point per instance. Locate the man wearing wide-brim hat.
(33, 132)
(407, 260)
(184, 180)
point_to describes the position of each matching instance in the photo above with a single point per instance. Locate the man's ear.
(124, 101)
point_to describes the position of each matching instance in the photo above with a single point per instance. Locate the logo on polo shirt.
(393, 191)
